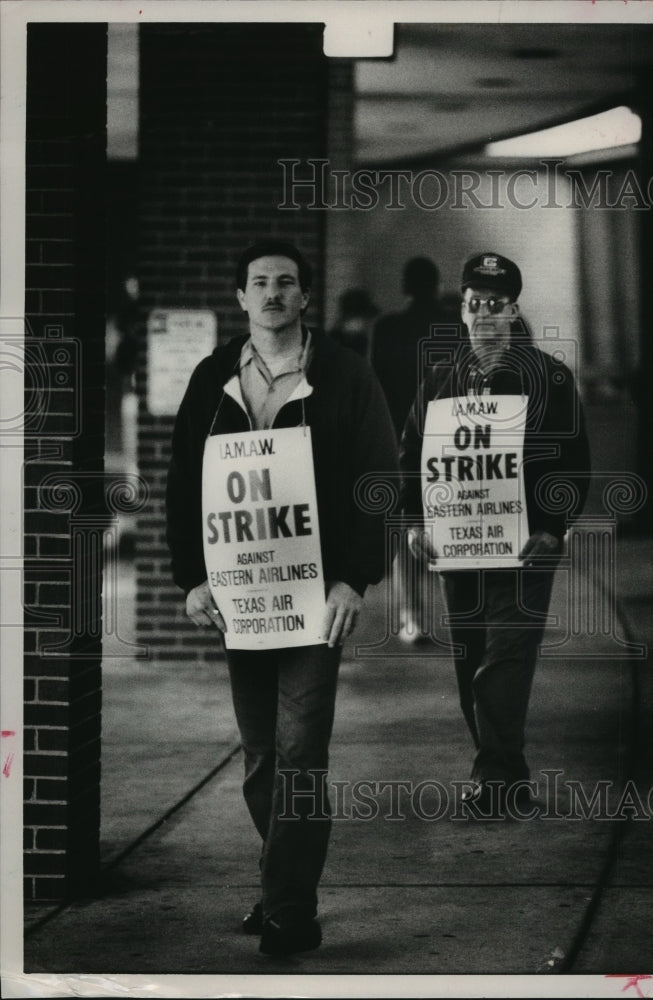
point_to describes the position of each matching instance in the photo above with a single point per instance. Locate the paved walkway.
(409, 889)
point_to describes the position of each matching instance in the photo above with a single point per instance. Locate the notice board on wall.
(177, 340)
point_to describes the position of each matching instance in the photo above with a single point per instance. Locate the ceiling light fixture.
(607, 130)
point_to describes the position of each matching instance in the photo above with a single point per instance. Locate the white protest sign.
(473, 481)
(262, 537)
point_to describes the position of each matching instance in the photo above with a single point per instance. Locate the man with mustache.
(284, 378)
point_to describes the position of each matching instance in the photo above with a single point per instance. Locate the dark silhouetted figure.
(395, 348)
(354, 325)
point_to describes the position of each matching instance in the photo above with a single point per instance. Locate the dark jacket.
(351, 433)
(555, 440)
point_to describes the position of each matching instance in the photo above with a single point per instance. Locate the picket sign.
(473, 481)
(262, 537)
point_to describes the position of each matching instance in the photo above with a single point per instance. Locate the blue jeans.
(497, 618)
(284, 700)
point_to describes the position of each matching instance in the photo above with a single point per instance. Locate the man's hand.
(541, 543)
(421, 546)
(201, 609)
(342, 608)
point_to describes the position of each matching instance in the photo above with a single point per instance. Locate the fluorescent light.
(618, 127)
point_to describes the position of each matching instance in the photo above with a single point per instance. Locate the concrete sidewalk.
(409, 889)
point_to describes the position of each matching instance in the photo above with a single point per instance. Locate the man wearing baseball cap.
(497, 595)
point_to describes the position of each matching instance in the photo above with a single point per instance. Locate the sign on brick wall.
(177, 340)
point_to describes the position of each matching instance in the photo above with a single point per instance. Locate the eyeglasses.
(494, 306)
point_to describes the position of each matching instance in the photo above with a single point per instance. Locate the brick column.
(220, 104)
(340, 263)
(64, 438)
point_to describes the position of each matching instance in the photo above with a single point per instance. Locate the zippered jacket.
(352, 435)
(556, 458)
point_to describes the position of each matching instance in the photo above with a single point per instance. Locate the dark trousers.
(284, 700)
(497, 618)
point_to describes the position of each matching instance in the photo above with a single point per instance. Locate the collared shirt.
(264, 393)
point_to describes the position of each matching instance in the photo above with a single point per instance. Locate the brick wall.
(340, 271)
(64, 502)
(219, 106)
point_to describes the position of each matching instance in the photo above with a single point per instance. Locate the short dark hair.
(274, 248)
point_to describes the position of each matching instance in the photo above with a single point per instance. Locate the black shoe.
(253, 921)
(284, 939)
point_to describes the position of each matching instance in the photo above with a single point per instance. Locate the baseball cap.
(491, 270)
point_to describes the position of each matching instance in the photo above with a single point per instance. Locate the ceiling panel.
(454, 86)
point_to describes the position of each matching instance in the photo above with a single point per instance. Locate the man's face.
(273, 298)
(487, 316)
